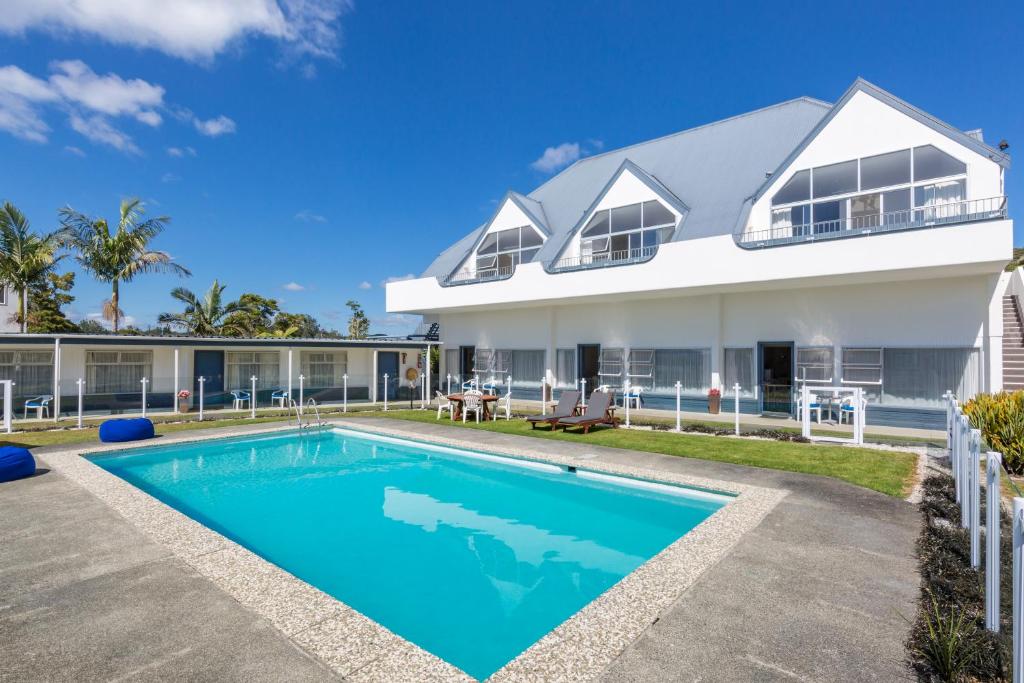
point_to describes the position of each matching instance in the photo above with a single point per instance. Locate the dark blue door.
(209, 365)
(387, 364)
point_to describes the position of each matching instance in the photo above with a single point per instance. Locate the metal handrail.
(891, 221)
(316, 411)
(466, 277)
(621, 257)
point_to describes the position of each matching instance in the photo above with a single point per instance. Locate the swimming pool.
(472, 557)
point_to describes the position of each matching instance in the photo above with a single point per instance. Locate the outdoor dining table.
(459, 399)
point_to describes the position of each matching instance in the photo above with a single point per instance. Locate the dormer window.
(500, 252)
(627, 231)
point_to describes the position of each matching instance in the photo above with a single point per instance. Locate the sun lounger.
(566, 407)
(597, 413)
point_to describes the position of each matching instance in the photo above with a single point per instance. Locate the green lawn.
(885, 471)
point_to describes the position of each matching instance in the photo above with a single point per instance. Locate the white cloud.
(307, 216)
(365, 285)
(196, 30)
(293, 287)
(557, 158)
(71, 149)
(179, 152)
(98, 129)
(397, 278)
(214, 127)
(397, 321)
(170, 177)
(109, 94)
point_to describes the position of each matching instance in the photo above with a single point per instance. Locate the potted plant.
(714, 401)
(183, 397)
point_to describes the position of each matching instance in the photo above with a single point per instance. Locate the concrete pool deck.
(815, 592)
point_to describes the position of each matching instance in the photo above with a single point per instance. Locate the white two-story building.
(860, 243)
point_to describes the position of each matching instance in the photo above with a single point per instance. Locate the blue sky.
(311, 149)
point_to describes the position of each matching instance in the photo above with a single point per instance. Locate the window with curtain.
(31, 371)
(240, 366)
(610, 367)
(739, 369)
(324, 369)
(113, 372)
(483, 361)
(565, 368)
(919, 377)
(690, 367)
(527, 367)
(815, 364)
(451, 362)
(640, 368)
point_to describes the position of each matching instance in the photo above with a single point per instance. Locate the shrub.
(1000, 417)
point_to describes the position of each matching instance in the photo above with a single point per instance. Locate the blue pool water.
(473, 558)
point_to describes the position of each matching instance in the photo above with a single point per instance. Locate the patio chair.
(633, 397)
(469, 385)
(814, 405)
(598, 412)
(472, 401)
(444, 404)
(567, 404)
(504, 403)
(41, 404)
(279, 396)
(846, 408)
(489, 386)
(240, 399)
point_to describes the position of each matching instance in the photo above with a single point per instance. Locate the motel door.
(589, 365)
(387, 364)
(210, 366)
(775, 368)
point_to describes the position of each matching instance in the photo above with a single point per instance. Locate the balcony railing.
(606, 260)
(892, 221)
(468, 277)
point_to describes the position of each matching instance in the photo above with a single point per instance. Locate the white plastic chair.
(240, 399)
(846, 408)
(504, 403)
(443, 404)
(41, 404)
(632, 397)
(814, 406)
(472, 400)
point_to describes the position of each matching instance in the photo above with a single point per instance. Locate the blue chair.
(469, 385)
(16, 463)
(41, 404)
(240, 398)
(279, 396)
(127, 429)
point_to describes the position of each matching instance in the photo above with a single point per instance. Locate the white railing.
(603, 260)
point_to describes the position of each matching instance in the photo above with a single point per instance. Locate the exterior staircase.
(1013, 345)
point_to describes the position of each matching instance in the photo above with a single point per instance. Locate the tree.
(119, 256)
(280, 333)
(305, 325)
(206, 317)
(358, 323)
(254, 316)
(25, 257)
(45, 302)
(91, 327)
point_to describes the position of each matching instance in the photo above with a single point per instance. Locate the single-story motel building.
(113, 367)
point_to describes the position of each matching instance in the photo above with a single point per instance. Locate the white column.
(679, 402)
(736, 390)
(8, 408)
(993, 465)
(373, 378)
(289, 377)
(144, 381)
(344, 393)
(56, 379)
(427, 379)
(81, 383)
(202, 381)
(174, 400)
(252, 398)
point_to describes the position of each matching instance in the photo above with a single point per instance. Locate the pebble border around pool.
(358, 648)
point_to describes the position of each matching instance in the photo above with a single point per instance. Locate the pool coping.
(355, 646)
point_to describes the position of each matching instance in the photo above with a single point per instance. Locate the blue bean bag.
(16, 462)
(129, 429)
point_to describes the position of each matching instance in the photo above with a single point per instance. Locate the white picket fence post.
(448, 393)
(679, 404)
(973, 476)
(736, 392)
(144, 382)
(1018, 589)
(385, 393)
(805, 411)
(583, 393)
(543, 401)
(252, 398)
(301, 408)
(81, 383)
(626, 396)
(965, 483)
(344, 393)
(202, 381)
(8, 406)
(993, 465)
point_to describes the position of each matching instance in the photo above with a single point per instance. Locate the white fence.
(964, 445)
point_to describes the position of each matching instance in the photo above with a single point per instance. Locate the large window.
(500, 252)
(690, 367)
(919, 184)
(527, 367)
(610, 367)
(815, 364)
(484, 362)
(324, 369)
(626, 232)
(451, 362)
(565, 368)
(31, 371)
(640, 368)
(242, 365)
(739, 369)
(913, 377)
(115, 372)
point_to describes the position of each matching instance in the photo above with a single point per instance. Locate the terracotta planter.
(714, 404)
(183, 405)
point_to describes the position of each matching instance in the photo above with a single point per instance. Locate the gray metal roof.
(715, 170)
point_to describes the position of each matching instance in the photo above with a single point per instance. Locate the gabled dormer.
(513, 235)
(631, 217)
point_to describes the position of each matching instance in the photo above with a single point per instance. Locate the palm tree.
(280, 333)
(118, 257)
(25, 257)
(203, 317)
